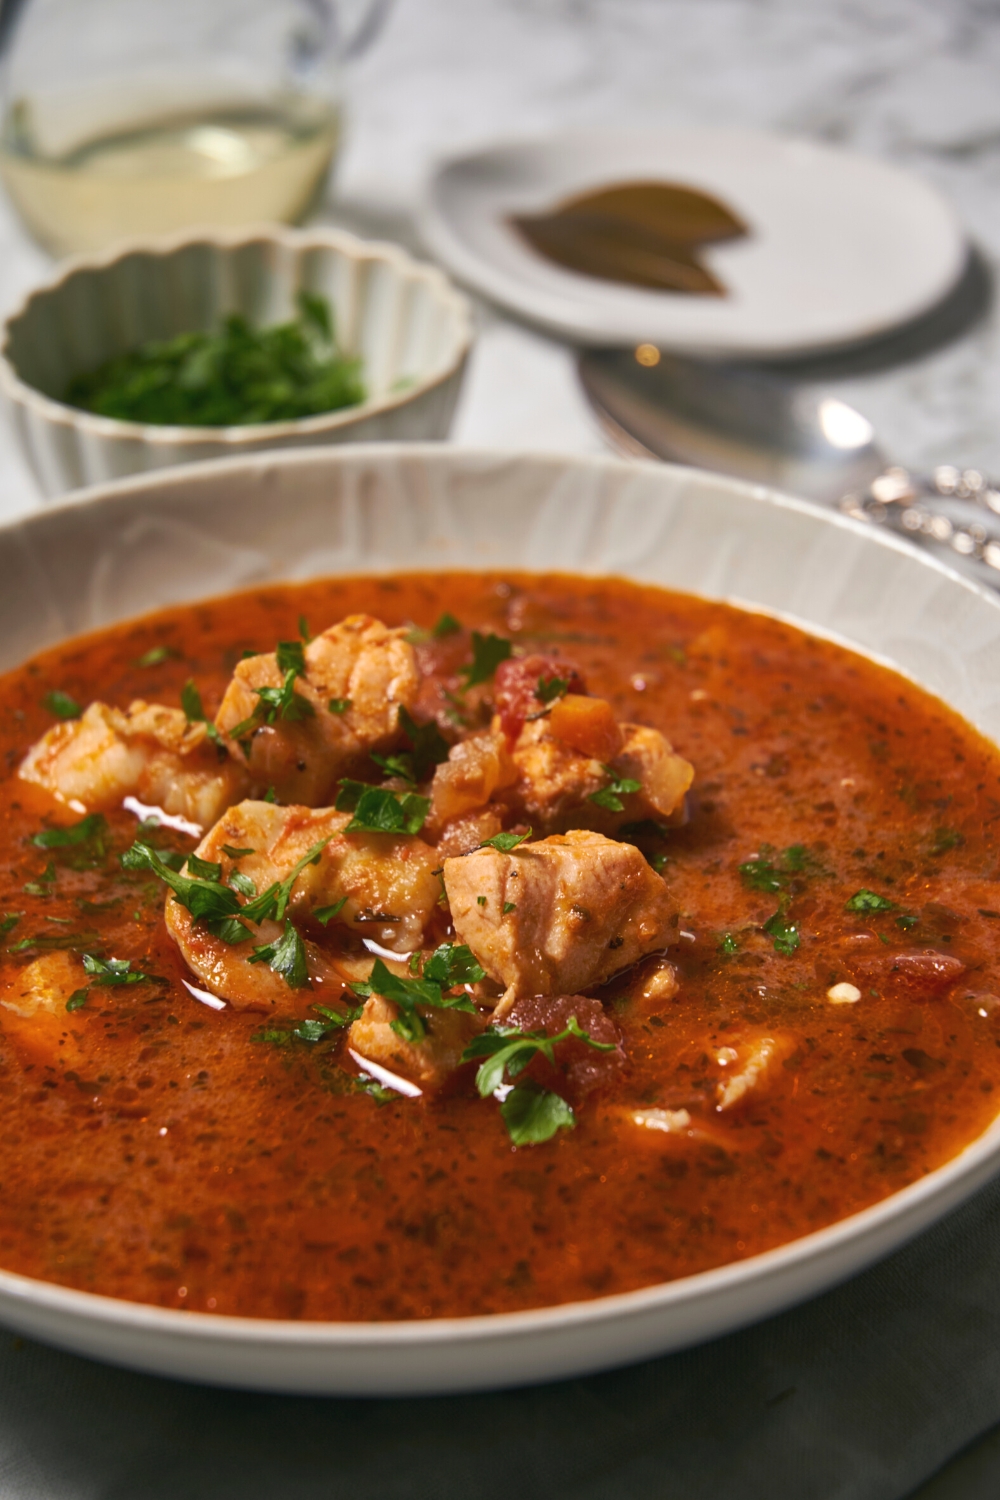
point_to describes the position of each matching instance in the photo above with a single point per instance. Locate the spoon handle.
(955, 511)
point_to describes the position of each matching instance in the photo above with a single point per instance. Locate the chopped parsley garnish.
(89, 835)
(194, 710)
(776, 872)
(325, 914)
(906, 922)
(505, 842)
(242, 883)
(156, 656)
(377, 810)
(272, 903)
(488, 651)
(270, 795)
(77, 1000)
(452, 964)
(111, 970)
(727, 943)
(216, 905)
(508, 907)
(533, 1115)
(610, 797)
(449, 966)
(428, 747)
(333, 1021)
(233, 376)
(304, 630)
(236, 853)
(285, 957)
(204, 869)
(62, 705)
(865, 900)
(282, 702)
(548, 689)
(9, 922)
(339, 705)
(538, 1113)
(40, 885)
(446, 625)
(785, 934)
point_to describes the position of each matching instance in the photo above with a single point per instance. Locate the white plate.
(841, 247)
(188, 533)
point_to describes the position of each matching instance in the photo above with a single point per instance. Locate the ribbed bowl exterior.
(409, 325)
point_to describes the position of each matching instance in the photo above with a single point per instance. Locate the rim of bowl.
(918, 1206)
(352, 246)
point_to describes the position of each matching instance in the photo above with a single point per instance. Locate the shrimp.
(380, 886)
(34, 1009)
(358, 674)
(149, 752)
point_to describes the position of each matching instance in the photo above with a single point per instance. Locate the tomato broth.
(841, 832)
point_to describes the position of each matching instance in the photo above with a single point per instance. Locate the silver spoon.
(753, 424)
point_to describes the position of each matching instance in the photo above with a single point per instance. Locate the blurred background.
(910, 81)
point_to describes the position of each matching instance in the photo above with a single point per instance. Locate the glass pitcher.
(138, 117)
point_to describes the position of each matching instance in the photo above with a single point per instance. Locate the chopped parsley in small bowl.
(206, 346)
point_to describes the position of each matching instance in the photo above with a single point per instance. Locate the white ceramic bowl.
(190, 533)
(410, 326)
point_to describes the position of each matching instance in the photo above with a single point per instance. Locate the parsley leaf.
(62, 705)
(446, 625)
(236, 853)
(282, 702)
(407, 994)
(339, 705)
(785, 934)
(865, 900)
(610, 796)
(77, 1000)
(428, 745)
(194, 710)
(91, 830)
(156, 656)
(272, 903)
(286, 957)
(241, 883)
(208, 901)
(325, 914)
(377, 810)
(488, 651)
(112, 970)
(453, 964)
(10, 921)
(40, 886)
(548, 689)
(204, 869)
(505, 842)
(533, 1115)
(304, 630)
(508, 1050)
(727, 943)
(775, 872)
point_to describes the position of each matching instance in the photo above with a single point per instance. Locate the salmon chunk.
(557, 782)
(361, 668)
(149, 752)
(558, 916)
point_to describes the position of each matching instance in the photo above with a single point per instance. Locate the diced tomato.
(516, 688)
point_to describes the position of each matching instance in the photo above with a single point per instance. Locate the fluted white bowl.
(409, 325)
